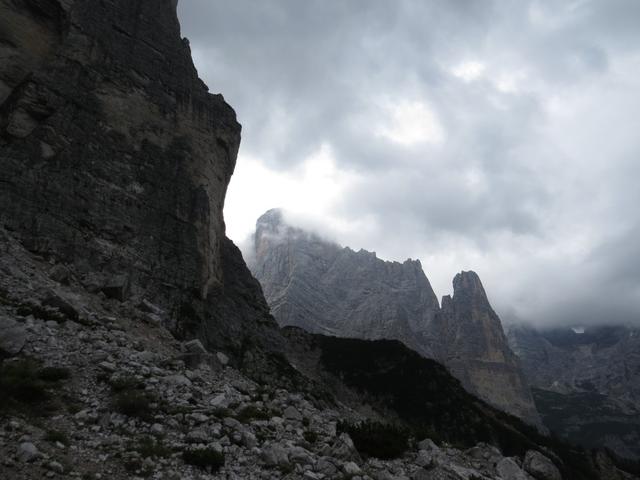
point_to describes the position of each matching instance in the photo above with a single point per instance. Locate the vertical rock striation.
(115, 160)
(476, 350)
(323, 288)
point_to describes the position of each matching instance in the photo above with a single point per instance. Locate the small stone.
(351, 468)
(194, 346)
(178, 379)
(108, 366)
(117, 287)
(540, 467)
(199, 417)
(428, 445)
(157, 430)
(13, 336)
(46, 150)
(56, 467)
(222, 358)
(27, 452)
(60, 274)
(291, 413)
(197, 436)
(508, 469)
(425, 459)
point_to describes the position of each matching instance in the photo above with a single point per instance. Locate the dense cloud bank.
(495, 136)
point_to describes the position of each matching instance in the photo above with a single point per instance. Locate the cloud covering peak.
(500, 137)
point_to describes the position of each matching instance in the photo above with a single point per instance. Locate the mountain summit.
(476, 350)
(324, 288)
(321, 287)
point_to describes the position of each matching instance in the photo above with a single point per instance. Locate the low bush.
(54, 374)
(134, 403)
(20, 384)
(250, 413)
(205, 458)
(376, 439)
(310, 436)
(149, 447)
(124, 382)
(54, 436)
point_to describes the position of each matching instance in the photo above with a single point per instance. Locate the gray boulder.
(540, 467)
(28, 452)
(12, 337)
(508, 469)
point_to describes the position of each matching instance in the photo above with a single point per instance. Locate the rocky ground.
(96, 388)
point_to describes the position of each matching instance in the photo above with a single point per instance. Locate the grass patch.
(376, 439)
(134, 403)
(149, 447)
(54, 436)
(25, 386)
(205, 458)
(124, 383)
(54, 374)
(43, 313)
(136, 467)
(310, 436)
(251, 413)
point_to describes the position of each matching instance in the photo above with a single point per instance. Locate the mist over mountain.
(499, 138)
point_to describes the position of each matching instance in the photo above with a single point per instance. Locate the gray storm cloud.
(495, 136)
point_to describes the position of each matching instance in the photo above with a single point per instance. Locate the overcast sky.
(495, 136)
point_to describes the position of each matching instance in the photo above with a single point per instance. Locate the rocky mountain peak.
(270, 221)
(324, 288)
(468, 288)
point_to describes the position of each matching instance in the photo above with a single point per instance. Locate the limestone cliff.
(323, 288)
(115, 160)
(476, 350)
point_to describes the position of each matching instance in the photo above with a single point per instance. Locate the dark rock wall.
(476, 349)
(115, 159)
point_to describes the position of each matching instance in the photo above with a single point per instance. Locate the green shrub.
(250, 413)
(54, 374)
(376, 439)
(310, 436)
(136, 467)
(149, 447)
(124, 382)
(20, 384)
(222, 412)
(54, 436)
(205, 458)
(134, 403)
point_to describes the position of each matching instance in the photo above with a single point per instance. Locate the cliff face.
(324, 288)
(476, 350)
(115, 159)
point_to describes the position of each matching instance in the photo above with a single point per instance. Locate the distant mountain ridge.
(586, 385)
(324, 288)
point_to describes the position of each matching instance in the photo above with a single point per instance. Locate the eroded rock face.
(476, 350)
(323, 288)
(115, 159)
